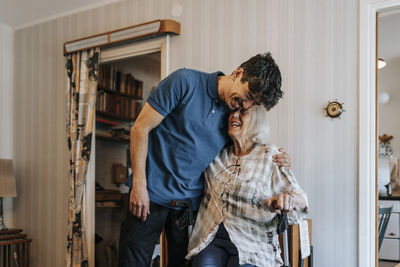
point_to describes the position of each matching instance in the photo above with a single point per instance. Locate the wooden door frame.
(367, 133)
(161, 45)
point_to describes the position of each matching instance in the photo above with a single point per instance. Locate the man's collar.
(212, 88)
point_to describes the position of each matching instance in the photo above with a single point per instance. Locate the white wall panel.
(314, 43)
(6, 106)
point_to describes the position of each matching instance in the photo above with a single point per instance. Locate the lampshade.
(383, 98)
(381, 63)
(7, 179)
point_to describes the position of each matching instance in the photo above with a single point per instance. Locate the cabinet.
(127, 75)
(390, 249)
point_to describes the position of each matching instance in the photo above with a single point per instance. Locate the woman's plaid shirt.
(235, 192)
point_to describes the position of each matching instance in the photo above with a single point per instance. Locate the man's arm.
(149, 118)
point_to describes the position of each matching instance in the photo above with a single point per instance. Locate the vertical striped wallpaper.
(6, 107)
(6, 90)
(314, 43)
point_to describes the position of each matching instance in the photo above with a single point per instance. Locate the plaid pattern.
(235, 192)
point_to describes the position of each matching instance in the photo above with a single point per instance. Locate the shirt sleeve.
(170, 92)
(286, 182)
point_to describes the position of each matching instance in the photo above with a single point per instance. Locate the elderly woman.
(244, 191)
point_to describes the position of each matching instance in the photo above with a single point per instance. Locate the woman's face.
(239, 122)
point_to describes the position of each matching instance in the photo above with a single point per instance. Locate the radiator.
(15, 253)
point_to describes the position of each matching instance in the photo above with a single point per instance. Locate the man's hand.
(148, 119)
(283, 159)
(139, 202)
(283, 202)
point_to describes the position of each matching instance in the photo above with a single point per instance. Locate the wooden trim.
(163, 250)
(170, 26)
(12, 236)
(10, 231)
(166, 27)
(109, 32)
(294, 244)
(15, 241)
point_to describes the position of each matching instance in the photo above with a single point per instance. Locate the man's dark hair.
(264, 79)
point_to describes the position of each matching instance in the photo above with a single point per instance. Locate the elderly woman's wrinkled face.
(239, 122)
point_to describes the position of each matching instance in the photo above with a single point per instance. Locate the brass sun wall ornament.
(334, 109)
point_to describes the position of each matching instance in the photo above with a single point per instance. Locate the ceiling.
(21, 13)
(389, 35)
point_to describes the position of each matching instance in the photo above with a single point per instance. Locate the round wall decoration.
(334, 109)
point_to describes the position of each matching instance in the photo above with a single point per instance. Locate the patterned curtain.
(82, 72)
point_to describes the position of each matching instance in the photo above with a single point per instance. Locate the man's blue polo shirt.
(191, 135)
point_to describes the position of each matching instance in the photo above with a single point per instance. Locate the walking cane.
(284, 218)
(282, 229)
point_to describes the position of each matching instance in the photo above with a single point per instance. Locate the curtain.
(82, 72)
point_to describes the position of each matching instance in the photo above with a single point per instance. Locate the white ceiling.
(21, 13)
(389, 35)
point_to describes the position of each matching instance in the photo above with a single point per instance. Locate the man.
(181, 129)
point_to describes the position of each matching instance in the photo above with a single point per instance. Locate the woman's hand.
(283, 202)
(282, 159)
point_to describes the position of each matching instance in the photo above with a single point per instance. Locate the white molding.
(65, 14)
(366, 130)
(89, 200)
(166, 57)
(132, 50)
(389, 13)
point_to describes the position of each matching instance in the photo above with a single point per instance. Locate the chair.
(384, 216)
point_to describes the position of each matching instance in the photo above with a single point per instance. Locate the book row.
(118, 105)
(114, 80)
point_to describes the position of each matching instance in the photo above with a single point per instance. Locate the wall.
(314, 43)
(389, 82)
(6, 107)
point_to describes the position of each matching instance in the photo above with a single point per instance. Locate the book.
(139, 89)
(109, 122)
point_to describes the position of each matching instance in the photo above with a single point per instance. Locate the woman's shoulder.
(268, 149)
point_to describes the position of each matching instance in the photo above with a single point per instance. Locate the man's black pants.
(138, 239)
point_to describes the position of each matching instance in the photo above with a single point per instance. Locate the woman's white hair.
(259, 125)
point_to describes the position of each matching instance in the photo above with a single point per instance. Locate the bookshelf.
(119, 93)
(114, 116)
(112, 139)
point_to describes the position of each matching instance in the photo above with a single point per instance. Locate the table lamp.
(7, 186)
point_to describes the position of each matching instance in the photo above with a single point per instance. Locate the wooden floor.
(388, 264)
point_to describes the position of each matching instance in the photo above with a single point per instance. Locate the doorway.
(388, 132)
(367, 147)
(144, 64)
